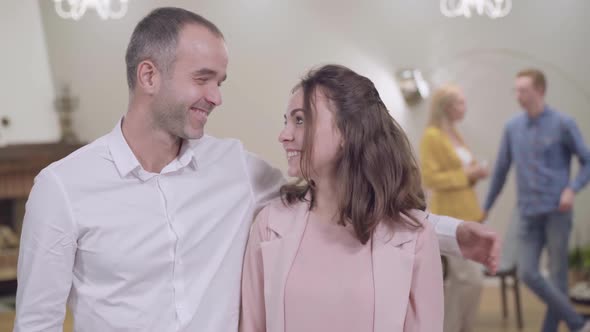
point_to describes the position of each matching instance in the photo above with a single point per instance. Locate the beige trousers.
(462, 288)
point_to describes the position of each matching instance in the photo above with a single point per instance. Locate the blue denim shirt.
(542, 149)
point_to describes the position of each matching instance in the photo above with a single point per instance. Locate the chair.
(505, 274)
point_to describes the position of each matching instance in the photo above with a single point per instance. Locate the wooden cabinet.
(19, 164)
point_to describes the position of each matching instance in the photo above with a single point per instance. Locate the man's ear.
(148, 77)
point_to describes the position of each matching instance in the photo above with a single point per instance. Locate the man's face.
(527, 94)
(191, 89)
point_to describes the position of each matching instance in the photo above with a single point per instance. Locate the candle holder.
(65, 105)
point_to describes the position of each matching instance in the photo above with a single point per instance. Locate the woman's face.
(327, 140)
(456, 111)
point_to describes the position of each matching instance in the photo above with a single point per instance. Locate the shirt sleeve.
(46, 257)
(446, 233)
(576, 144)
(501, 169)
(265, 180)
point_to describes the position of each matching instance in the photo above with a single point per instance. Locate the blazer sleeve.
(425, 311)
(252, 313)
(433, 174)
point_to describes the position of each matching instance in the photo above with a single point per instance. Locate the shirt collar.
(123, 157)
(531, 121)
(126, 162)
(186, 157)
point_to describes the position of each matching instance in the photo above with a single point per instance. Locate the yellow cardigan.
(443, 174)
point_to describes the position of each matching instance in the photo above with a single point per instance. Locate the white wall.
(273, 42)
(26, 88)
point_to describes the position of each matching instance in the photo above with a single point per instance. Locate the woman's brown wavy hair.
(377, 172)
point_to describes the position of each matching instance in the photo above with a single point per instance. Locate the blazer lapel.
(393, 260)
(278, 255)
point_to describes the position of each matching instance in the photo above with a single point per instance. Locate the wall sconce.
(413, 86)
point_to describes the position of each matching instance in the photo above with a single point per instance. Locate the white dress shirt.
(130, 250)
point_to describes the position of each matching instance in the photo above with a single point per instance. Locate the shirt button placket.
(177, 282)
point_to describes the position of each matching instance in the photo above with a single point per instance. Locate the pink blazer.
(406, 267)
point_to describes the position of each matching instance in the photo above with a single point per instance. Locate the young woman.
(450, 171)
(347, 247)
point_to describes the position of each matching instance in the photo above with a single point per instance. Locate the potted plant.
(579, 273)
(579, 263)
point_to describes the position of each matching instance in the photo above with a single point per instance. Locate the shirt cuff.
(575, 186)
(446, 231)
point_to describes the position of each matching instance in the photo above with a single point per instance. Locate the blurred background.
(53, 66)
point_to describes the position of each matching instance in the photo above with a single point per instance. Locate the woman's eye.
(299, 120)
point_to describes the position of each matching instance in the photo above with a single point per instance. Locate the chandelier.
(75, 9)
(491, 8)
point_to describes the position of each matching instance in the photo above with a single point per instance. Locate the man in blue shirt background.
(541, 142)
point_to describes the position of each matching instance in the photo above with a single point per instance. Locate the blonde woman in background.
(450, 171)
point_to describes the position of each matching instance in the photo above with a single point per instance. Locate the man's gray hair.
(156, 36)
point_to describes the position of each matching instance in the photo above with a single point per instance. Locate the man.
(145, 228)
(541, 143)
